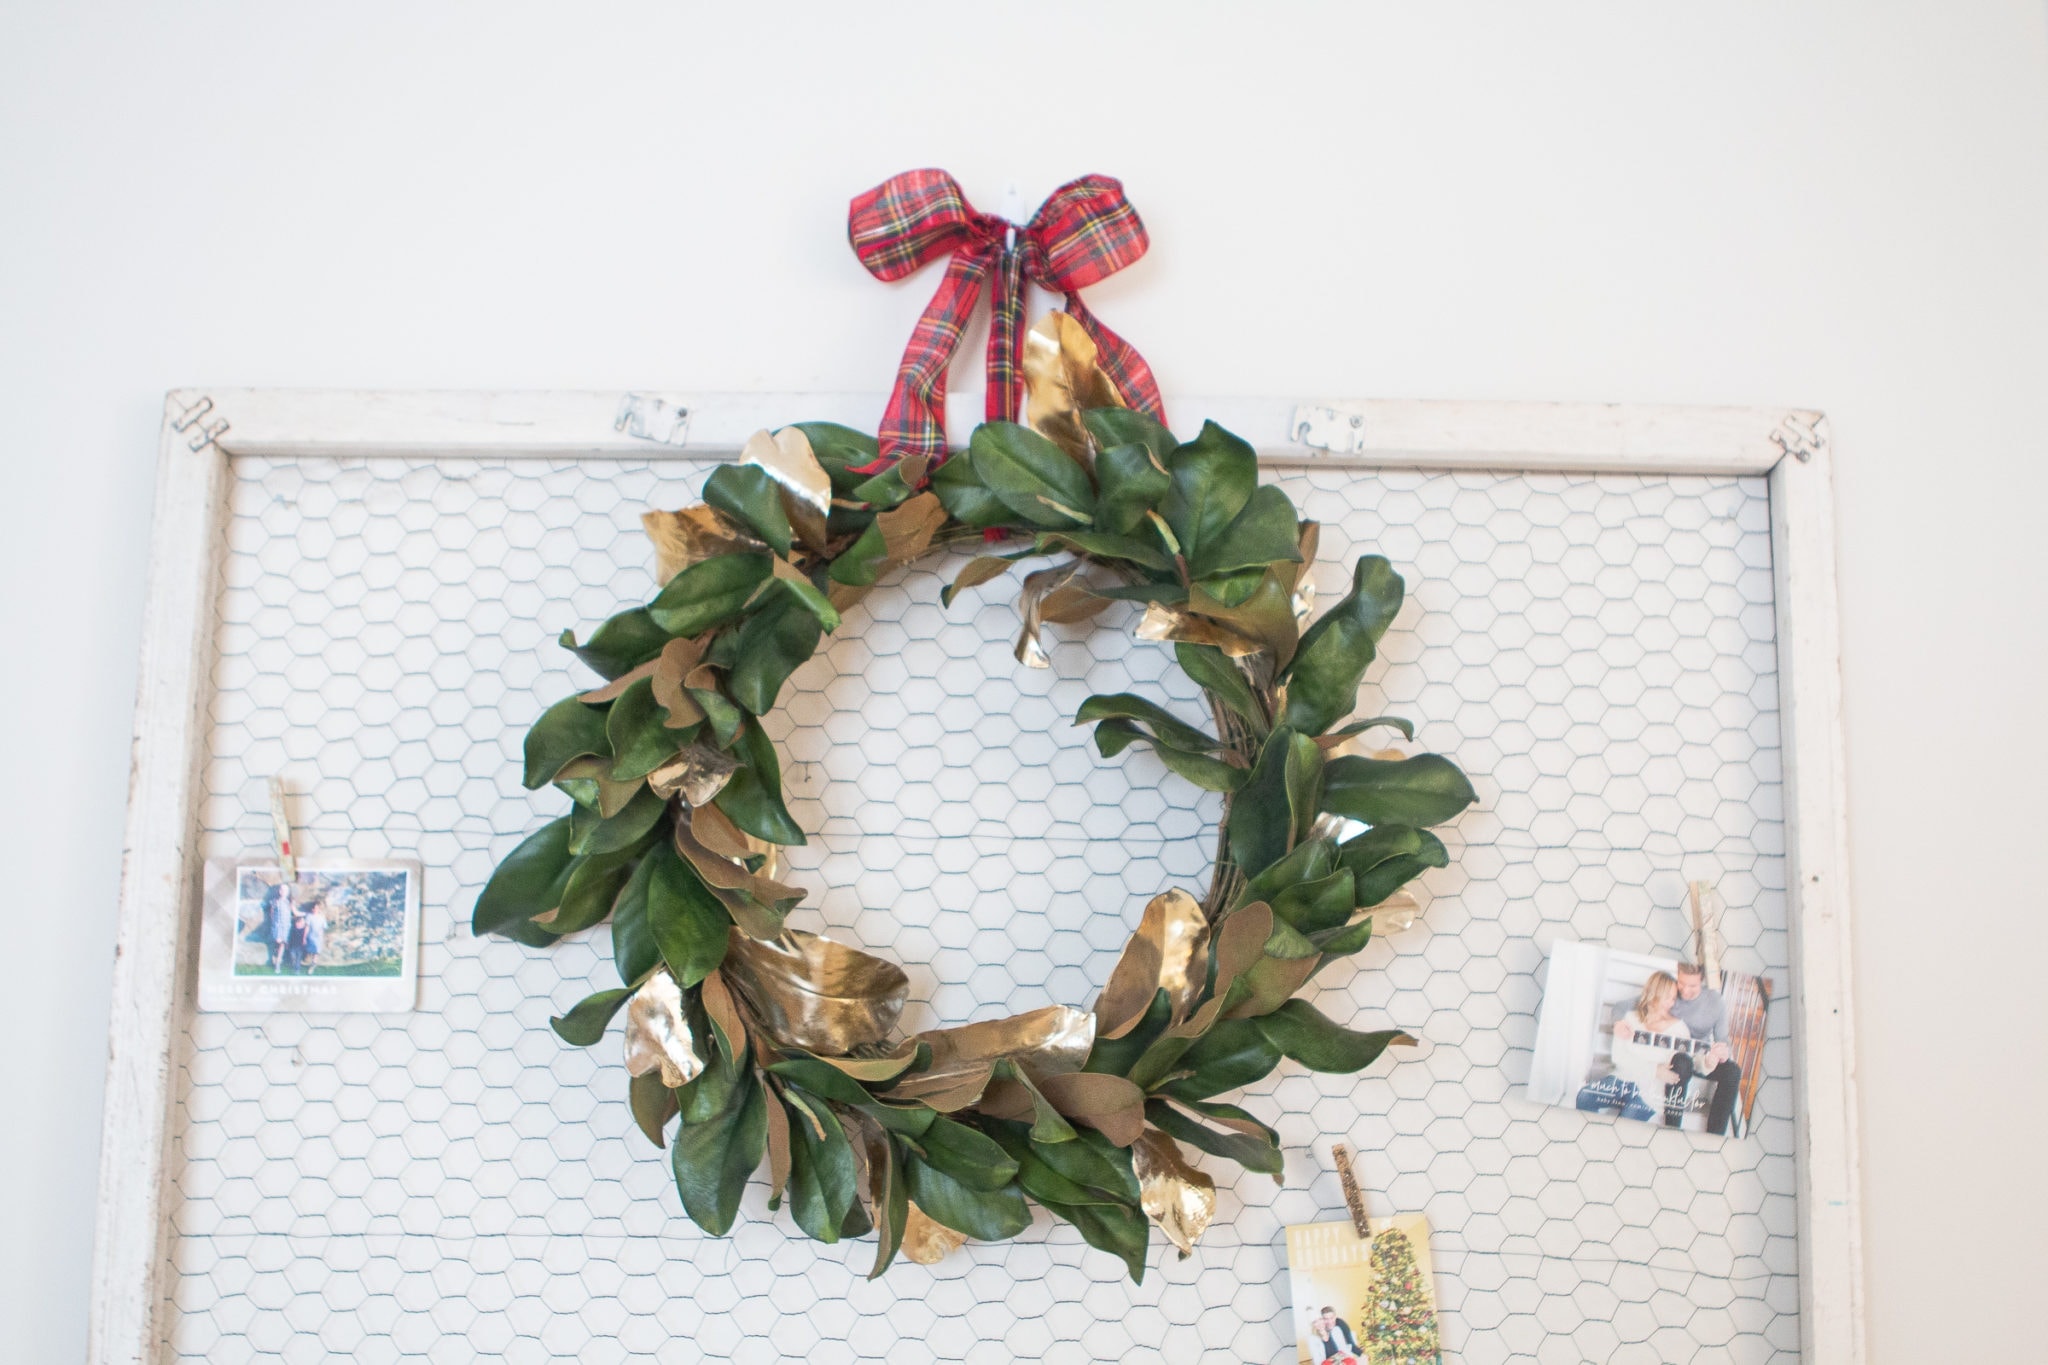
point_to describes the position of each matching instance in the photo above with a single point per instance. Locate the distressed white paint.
(158, 900)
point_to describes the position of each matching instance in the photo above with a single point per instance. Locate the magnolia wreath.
(758, 1041)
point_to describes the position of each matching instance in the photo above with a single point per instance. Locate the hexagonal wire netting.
(457, 1183)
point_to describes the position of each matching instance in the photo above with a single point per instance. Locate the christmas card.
(1360, 1301)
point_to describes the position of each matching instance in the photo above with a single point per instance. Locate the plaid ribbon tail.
(1121, 362)
(1006, 340)
(915, 420)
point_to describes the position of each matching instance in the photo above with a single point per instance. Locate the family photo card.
(341, 936)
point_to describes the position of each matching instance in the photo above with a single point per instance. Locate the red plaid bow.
(1085, 232)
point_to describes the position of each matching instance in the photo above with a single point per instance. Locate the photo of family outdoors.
(1363, 1302)
(1655, 1039)
(333, 937)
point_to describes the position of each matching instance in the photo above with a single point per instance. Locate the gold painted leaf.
(907, 531)
(691, 535)
(658, 1034)
(1163, 622)
(1044, 1042)
(786, 457)
(1062, 380)
(697, 773)
(949, 1090)
(1175, 1195)
(1171, 932)
(811, 993)
(927, 1241)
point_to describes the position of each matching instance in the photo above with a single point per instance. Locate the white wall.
(1842, 206)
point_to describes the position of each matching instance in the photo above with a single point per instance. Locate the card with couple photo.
(1650, 1038)
(339, 936)
(1363, 1301)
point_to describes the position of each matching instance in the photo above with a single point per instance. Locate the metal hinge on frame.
(197, 419)
(1336, 428)
(1802, 435)
(648, 418)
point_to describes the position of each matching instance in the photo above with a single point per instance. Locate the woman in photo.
(1333, 1339)
(277, 923)
(1641, 1067)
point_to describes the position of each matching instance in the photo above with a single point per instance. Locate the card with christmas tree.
(1360, 1301)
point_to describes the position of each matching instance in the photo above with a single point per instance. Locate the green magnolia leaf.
(1112, 427)
(686, 921)
(1117, 1056)
(968, 1155)
(892, 1203)
(636, 729)
(713, 1159)
(985, 1215)
(1427, 789)
(1094, 1162)
(750, 496)
(965, 497)
(1107, 545)
(1131, 480)
(1232, 1054)
(1301, 1031)
(773, 642)
(1122, 1232)
(1169, 728)
(593, 885)
(715, 1090)
(841, 450)
(823, 1080)
(1359, 727)
(1213, 671)
(586, 1021)
(1112, 737)
(1212, 479)
(634, 952)
(1384, 859)
(752, 796)
(1276, 806)
(653, 1105)
(529, 882)
(1266, 531)
(1254, 1153)
(620, 645)
(1309, 861)
(1311, 907)
(1334, 653)
(862, 562)
(886, 489)
(627, 827)
(568, 729)
(1048, 1125)
(720, 715)
(1036, 480)
(709, 593)
(823, 1181)
(1346, 941)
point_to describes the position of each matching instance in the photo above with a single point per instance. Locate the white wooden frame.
(203, 429)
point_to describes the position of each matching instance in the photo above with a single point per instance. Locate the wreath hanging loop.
(749, 1040)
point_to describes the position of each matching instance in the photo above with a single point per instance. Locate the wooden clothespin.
(281, 833)
(1353, 1199)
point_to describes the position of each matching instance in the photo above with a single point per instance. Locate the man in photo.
(277, 923)
(1705, 1015)
(1333, 1337)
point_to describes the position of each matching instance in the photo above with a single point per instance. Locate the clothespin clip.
(281, 833)
(1353, 1200)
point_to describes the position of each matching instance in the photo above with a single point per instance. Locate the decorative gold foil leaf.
(658, 1034)
(695, 533)
(1163, 622)
(1110, 1103)
(611, 796)
(1176, 1196)
(723, 1014)
(1396, 913)
(1240, 942)
(612, 690)
(907, 531)
(811, 993)
(927, 1241)
(697, 773)
(1061, 381)
(875, 1070)
(677, 660)
(1161, 953)
(787, 458)
(1030, 604)
(949, 1090)
(1044, 1042)
(1303, 574)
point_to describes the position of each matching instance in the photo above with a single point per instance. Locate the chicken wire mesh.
(456, 1183)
